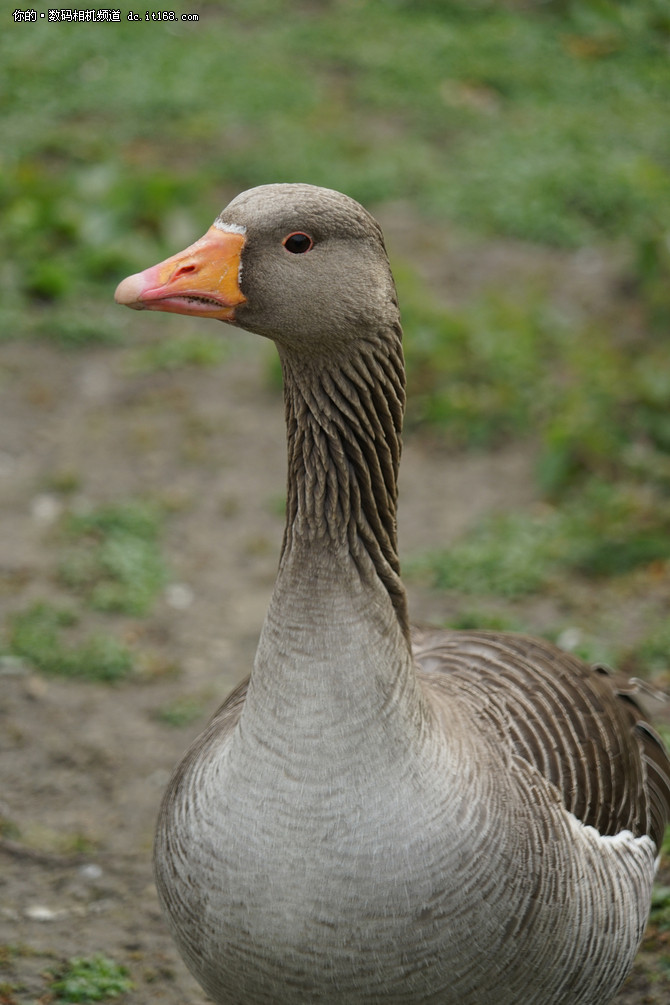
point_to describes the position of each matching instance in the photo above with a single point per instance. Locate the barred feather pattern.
(561, 716)
(486, 889)
(344, 424)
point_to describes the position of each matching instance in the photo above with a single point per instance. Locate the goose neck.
(344, 421)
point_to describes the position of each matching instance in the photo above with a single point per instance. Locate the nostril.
(184, 270)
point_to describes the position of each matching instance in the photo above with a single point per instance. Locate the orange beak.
(202, 281)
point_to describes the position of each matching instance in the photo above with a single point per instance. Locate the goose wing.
(564, 717)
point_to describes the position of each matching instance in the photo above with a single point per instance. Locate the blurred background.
(517, 155)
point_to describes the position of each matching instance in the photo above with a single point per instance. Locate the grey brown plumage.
(449, 817)
(563, 717)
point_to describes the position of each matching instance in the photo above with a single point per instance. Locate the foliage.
(39, 635)
(480, 374)
(483, 113)
(660, 907)
(504, 366)
(506, 555)
(111, 562)
(91, 979)
(476, 620)
(540, 123)
(601, 531)
(480, 112)
(654, 653)
(180, 712)
(114, 559)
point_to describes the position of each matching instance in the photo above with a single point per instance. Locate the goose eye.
(298, 243)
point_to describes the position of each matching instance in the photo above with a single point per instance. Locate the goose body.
(380, 815)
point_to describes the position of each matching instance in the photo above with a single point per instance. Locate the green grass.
(508, 556)
(660, 908)
(110, 561)
(78, 980)
(654, 653)
(584, 573)
(508, 365)
(542, 123)
(546, 124)
(40, 635)
(472, 619)
(181, 712)
(603, 531)
(92, 979)
(113, 558)
(481, 374)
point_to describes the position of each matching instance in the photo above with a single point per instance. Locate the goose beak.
(202, 281)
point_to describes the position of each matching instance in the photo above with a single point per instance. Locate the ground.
(84, 764)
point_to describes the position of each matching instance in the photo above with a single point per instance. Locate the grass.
(39, 635)
(507, 366)
(601, 532)
(90, 979)
(77, 980)
(181, 712)
(593, 559)
(110, 562)
(544, 124)
(113, 558)
(654, 652)
(480, 113)
(660, 906)
(594, 403)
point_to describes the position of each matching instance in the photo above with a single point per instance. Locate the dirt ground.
(83, 764)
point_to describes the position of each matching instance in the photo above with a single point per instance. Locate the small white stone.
(569, 639)
(179, 596)
(46, 508)
(12, 666)
(39, 912)
(90, 871)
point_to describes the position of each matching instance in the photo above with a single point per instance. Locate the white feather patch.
(641, 847)
(229, 228)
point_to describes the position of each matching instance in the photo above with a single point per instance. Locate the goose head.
(301, 265)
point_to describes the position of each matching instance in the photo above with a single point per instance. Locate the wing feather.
(564, 717)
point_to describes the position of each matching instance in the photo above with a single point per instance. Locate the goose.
(379, 813)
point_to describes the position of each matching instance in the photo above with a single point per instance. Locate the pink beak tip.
(129, 291)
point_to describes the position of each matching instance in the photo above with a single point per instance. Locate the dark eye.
(298, 243)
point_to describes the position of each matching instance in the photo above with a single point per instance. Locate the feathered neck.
(344, 421)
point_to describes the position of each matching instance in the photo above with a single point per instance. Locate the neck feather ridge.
(344, 422)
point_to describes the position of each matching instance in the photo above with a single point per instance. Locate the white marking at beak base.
(229, 228)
